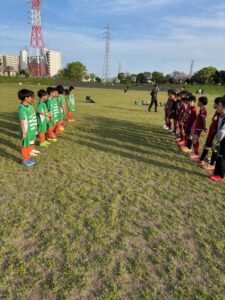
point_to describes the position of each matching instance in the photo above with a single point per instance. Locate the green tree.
(121, 77)
(219, 77)
(158, 77)
(92, 76)
(74, 71)
(141, 78)
(148, 75)
(205, 75)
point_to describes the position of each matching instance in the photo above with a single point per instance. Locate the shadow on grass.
(124, 108)
(9, 134)
(126, 133)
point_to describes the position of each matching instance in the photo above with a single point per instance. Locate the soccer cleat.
(35, 151)
(33, 154)
(28, 163)
(194, 156)
(208, 167)
(186, 150)
(217, 178)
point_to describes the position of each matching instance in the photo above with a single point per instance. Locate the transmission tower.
(191, 68)
(119, 68)
(38, 65)
(106, 66)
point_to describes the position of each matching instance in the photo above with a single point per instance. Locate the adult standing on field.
(154, 100)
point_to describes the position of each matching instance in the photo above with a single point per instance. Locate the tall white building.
(1, 60)
(11, 61)
(23, 59)
(54, 59)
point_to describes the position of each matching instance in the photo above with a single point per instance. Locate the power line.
(191, 68)
(13, 12)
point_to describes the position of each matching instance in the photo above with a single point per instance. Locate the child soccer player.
(209, 141)
(61, 106)
(168, 109)
(27, 126)
(34, 152)
(71, 104)
(181, 119)
(199, 126)
(219, 171)
(53, 113)
(189, 122)
(42, 117)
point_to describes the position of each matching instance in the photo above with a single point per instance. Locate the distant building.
(54, 59)
(11, 61)
(23, 60)
(1, 60)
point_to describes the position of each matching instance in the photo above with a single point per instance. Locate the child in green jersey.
(58, 129)
(62, 106)
(71, 104)
(34, 152)
(53, 113)
(27, 126)
(42, 117)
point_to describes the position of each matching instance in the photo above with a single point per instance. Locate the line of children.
(49, 119)
(183, 121)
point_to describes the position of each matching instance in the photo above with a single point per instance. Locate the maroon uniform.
(213, 128)
(191, 117)
(199, 125)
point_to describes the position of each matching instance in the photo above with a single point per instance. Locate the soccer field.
(113, 210)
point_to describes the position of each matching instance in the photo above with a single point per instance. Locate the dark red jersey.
(182, 113)
(191, 116)
(213, 127)
(200, 120)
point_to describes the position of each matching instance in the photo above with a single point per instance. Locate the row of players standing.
(187, 125)
(47, 122)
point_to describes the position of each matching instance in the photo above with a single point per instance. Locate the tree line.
(209, 75)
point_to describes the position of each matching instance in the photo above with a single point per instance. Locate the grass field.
(114, 210)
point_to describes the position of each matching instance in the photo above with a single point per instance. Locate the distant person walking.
(154, 100)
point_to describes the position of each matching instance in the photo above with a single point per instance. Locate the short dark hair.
(60, 89)
(203, 100)
(50, 90)
(22, 94)
(42, 93)
(71, 88)
(217, 100)
(192, 98)
(67, 92)
(172, 92)
(222, 101)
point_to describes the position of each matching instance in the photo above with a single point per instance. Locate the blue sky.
(163, 35)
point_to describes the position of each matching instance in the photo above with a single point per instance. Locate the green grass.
(114, 210)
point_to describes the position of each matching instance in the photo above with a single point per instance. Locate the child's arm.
(22, 125)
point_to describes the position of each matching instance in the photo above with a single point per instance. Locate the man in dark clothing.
(154, 94)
